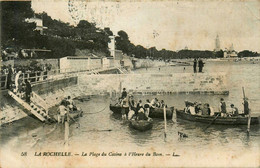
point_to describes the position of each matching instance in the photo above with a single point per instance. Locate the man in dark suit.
(28, 90)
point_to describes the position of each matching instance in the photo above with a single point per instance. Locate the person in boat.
(187, 105)
(124, 93)
(71, 104)
(131, 103)
(138, 106)
(208, 109)
(141, 115)
(191, 109)
(223, 107)
(163, 104)
(125, 108)
(154, 102)
(199, 108)
(205, 110)
(246, 106)
(234, 110)
(196, 106)
(211, 110)
(62, 112)
(158, 104)
(131, 115)
(147, 107)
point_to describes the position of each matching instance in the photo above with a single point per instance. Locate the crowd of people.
(20, 84)
(205, 109)
(133, 110)
(15, 75)
(22, 88)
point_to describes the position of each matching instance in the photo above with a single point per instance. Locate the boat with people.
(154, 112)
(141, 125)
(220, 120)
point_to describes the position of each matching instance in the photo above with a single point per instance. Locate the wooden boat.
(76, 114)
(239, 120)
(154, 112)
(141, 125)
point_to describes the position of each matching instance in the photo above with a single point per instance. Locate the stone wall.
(26, 62)
(146, 63)
(203, 83)
(77, 63)
(53, 85)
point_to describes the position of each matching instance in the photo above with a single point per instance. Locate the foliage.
(15, 31)
(220, 54)
(247, 53)
(123, 43)
(62, 38)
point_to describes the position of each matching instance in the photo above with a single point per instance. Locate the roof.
(39, 50)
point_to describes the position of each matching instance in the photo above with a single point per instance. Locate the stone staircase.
(35, 108)
(122, 70)
(95, 72)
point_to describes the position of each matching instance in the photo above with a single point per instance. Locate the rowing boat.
(141, 125)
(76, 114)
(154, 112)
(238, 120)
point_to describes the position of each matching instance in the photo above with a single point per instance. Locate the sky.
(172, 25)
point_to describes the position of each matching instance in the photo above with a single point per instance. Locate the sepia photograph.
(134, 83)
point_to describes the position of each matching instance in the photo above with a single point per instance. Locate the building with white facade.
(112, 46)
(39, 24)
(230, 53)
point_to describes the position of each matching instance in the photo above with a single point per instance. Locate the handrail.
(40, 76)
(39, 100)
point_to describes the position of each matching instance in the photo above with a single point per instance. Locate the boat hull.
(154, 113)
(76, 114)
(240, 120)
(141, 125)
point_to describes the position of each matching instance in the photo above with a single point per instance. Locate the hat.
(232, 105)
(221, 99)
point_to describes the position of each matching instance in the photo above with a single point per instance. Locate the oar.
(97, 130)
(165, 123)
(211, 122)
(74, 120)
(249, 115)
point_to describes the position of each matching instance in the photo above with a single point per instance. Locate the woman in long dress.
(16, 81)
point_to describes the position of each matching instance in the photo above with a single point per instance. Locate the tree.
(219, 54)
(247, 53)
(108, 31)
(15, 31)
(122, 42)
